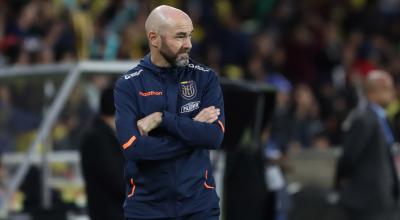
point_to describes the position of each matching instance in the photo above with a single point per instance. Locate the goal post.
(73, 71)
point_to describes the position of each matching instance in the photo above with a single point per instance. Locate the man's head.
(379, 87)
(107, 107)
(169, 32)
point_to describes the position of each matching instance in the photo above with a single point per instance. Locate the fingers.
(148, 123)
(213, 115)
(141, 127)
(208, 115)
(211, 110)
(212, 119)
(200, 116)
(142, 132)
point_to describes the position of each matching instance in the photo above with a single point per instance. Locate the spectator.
(276, 144)
(102, 164)
(366, 176)
(306, 125)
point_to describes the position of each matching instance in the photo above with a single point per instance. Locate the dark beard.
(171, 59)
(169, 56)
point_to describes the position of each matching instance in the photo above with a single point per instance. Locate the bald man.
(366, 174)
(169, 114)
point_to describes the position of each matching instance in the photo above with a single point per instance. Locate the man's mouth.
(184, 55)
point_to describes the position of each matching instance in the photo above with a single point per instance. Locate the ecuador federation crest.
(188, 89)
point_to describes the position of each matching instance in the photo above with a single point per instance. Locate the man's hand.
(148, 123)
(208, 115)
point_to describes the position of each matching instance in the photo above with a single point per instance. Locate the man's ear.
(154, 39)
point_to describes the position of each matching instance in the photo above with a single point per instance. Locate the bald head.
(379, 87)
(169, 31)
(165, 16)
(375, 79)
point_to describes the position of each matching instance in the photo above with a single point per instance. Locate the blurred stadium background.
(57, 55)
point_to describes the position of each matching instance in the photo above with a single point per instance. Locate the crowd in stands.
(322, 48)
(314, 51)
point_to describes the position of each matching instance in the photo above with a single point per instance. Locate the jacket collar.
(146, 63)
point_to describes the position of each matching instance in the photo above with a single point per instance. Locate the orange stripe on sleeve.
(205, 182)
(129, 143)
(222, 126)
(207, 186)
(133, 188)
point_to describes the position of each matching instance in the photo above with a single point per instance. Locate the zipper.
(175, 167)
(169, 85)
(164, 88)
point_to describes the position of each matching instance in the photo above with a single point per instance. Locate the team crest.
(188, 89)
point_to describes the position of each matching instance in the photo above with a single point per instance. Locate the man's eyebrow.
(183, 33)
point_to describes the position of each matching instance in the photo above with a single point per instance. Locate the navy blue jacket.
(168, 173)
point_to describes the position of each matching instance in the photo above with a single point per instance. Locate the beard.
(180, 58)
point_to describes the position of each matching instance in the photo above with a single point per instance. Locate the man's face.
(176, 43)
(386, 92)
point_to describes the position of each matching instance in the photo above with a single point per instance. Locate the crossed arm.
(204, 131)
(145, 125)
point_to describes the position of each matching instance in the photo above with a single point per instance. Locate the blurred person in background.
(366, 175)
(306, 126)
(102, 164)
(6, 137)
(2, 179)
(16, 119)
(276, 139)
(169, 114)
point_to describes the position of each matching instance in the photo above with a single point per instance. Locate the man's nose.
(187, 44)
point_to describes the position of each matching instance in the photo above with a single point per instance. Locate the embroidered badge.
(188, 89)
(191, 106)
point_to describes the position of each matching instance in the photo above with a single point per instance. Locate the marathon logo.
(137, 73)
(151, 93)
(191, 106)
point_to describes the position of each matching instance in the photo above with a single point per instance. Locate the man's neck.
(158, 60)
